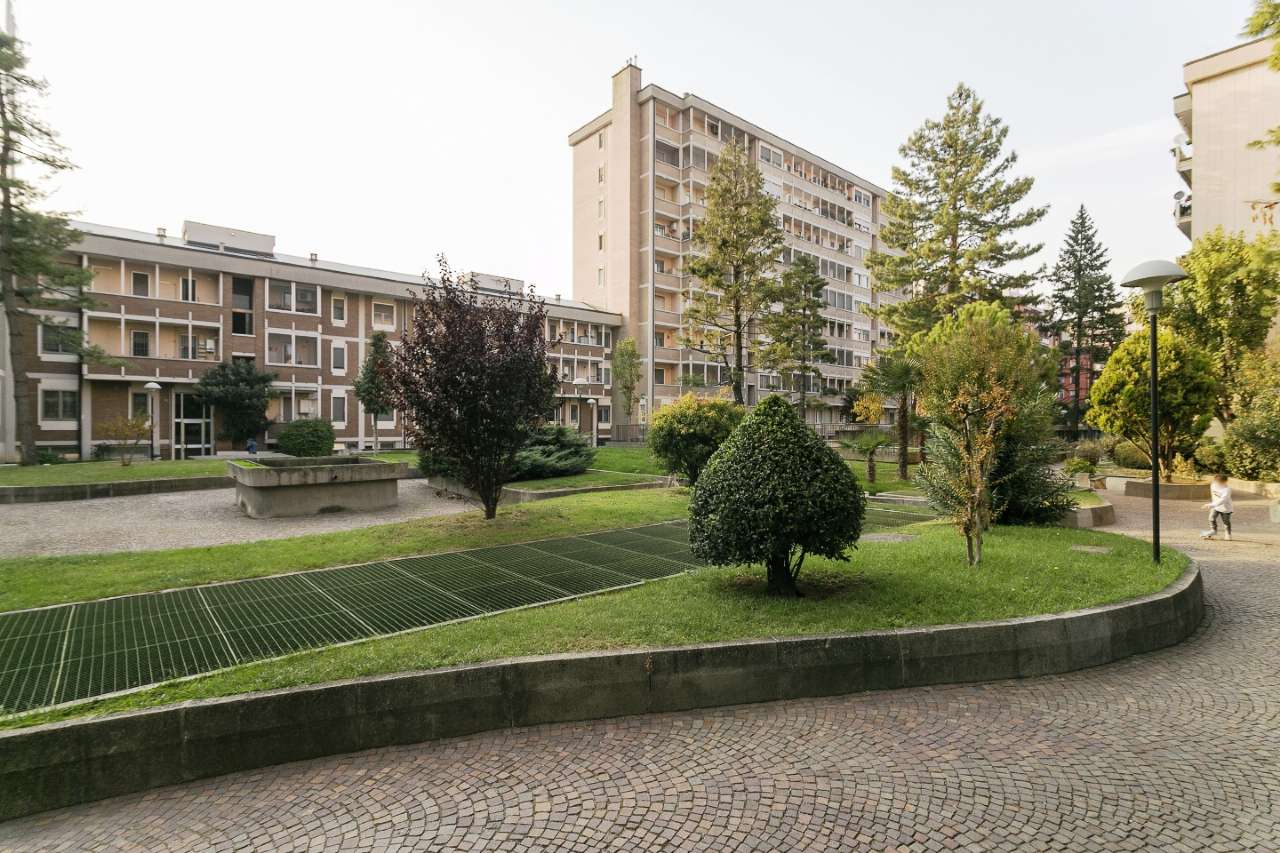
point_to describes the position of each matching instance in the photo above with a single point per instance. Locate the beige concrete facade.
(167, 309)
(1232, 99)
(640, 171)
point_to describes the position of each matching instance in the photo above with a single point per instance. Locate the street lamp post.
(1151, 277)
(152, 404)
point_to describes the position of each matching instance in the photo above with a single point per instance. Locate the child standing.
(1219, 507)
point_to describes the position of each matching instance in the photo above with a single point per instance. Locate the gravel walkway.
(183, 519)
(1177, 750)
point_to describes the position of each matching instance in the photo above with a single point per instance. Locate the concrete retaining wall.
(60, 764)
(518, 496)
(121, 488)
(1168, 491)
(1254, 487)
(1090, 516)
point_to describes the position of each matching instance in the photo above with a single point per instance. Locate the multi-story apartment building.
(1232, 99)
(640, 173)
(168, 309)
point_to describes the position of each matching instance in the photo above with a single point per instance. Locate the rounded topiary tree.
(774, 493)
(683, 435)
(306, 438)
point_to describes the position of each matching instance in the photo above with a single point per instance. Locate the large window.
(279, 295)
(384, 314)
(339, 358)
(306, 298)
(339, 309)
(338, 413)
(285, 348)
(140, 404)
(290, 296)
(141, 284)
(279, 348)
(187, 289)
(59, 405)
(57, 340)
(141, 344)
(242, 306)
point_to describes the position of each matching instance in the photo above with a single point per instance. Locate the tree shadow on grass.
(817, 584)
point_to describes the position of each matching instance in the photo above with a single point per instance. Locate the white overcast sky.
(383, 132)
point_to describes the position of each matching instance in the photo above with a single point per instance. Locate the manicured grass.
(578, 481)
(629, 460)
(886, 478)
(409, 457)
(1086, 497)
(70, 473)
(1025, 571)
(37, 581)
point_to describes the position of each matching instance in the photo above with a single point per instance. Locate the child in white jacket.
(1219, 507)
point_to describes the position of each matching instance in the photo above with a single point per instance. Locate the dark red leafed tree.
(472, 376)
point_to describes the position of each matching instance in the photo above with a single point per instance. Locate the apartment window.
(605, 413)
(600, 209)
(242, 306)
(141, 284)
(243, 359)
(660, 375)
(667, 154)
(306, 351)
(279, 348)
(187, 289)
(573, 413)
(660, 265)
(387, 419)
(186, 346)
(306, 298)
(600, 140)
(384, 314)
(279, 295)
(599, 276)
(339, 309)
(600, 242)
(141, 344)
(57, 340)
(606, 376)
(140, 404)
(608, 338)
(339, 358)
(338, 409)
(600, 175)
(59, 405)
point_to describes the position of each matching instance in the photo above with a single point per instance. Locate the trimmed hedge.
(306, 438)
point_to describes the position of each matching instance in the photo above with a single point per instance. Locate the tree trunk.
(738, 372)
(489, 500)
(24, 407)
(904, 432)
(1075, 392)
(781, 583)
(968, 544)
(871, 465)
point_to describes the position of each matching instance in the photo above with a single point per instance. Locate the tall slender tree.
(626, 373)
(373, 386)
(33, 272)
(952, 220)
(741, 240)
(796, 343)
(1088, 313)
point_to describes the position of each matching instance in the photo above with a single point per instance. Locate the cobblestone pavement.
(183, 520)
(1177, 750)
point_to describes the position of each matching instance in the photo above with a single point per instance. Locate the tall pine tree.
(741, 238)
(796, 342)
(1087, 310)
(952, 219)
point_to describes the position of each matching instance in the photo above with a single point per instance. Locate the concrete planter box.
(1090, 516)
(1254, 487)
(60, 764)
(275, 488)
(1168, 491)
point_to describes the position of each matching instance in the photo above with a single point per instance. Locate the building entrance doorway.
(192, 427)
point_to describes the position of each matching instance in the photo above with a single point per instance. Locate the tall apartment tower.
(1232, 98)
(640, 173)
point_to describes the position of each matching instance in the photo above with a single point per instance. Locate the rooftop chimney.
(313, 257)
(160, 233)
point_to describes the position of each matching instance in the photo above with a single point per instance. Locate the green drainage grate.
(78, 651)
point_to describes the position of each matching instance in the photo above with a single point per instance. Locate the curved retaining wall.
(60, 764)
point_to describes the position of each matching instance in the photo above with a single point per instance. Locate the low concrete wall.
(61, 764)
(117, 489)
(518, 496)
(1254, 487)
(1090, 516)
(279, 488)
(1168, 491)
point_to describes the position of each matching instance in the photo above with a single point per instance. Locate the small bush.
(45, 456)
(432, 464)
(1210, 457)
(553, 451)
(1127, 455)
(1077, 465)
(1109, 443)
(1090, 449)
(773, 493)
(685, 434)
(306, 438)
(1251, 447)
(1183, 468)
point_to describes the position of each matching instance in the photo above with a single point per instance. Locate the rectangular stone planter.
(275, 488)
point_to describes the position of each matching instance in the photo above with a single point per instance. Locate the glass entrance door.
(192, 427)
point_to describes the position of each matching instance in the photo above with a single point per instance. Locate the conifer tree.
(952, 220)
(1087, 309)
(796, 343)
(741, 239)
(373, 386)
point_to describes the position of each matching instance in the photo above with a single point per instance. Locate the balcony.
(1182, 162)
(666, 318)
(667, 280)
(666, 170)
(1182, 111)
(1182, 215)
(667, 354)
(670, 208)
(668, 135)
(665, 243)
(665, 391)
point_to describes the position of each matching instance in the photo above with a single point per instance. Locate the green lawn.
(886, 478)
(924, 581)
(578, 481)
(407, 456)
(69, 473)
(1086, 497)
(37, 581)
(629, 460)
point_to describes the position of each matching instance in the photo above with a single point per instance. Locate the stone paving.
(1177, 750)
